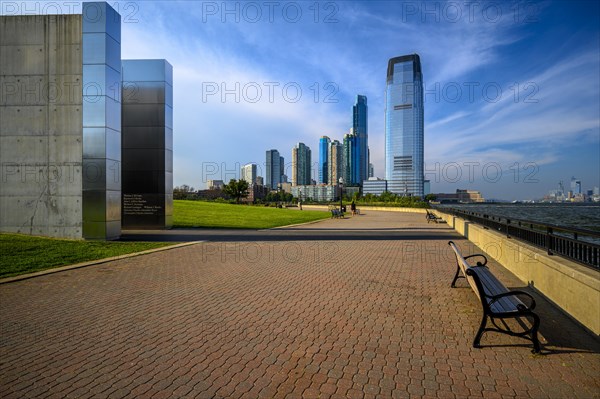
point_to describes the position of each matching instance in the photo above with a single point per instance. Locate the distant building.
(359, 129)
(215, 184)
(426, 187)
(371, 170)
(301, 165)
(324, 144)
(274, 169)
(248, 173)
(320, 193)
(256, 192)
(349, 155)
(260, 181)
(335, 162)
(461, 196)
(285, 187)
(374, 186)
(404, 138)
(575, 186)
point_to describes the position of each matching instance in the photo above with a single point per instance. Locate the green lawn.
(216, 215)
(20, 254)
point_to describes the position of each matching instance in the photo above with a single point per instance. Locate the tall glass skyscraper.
(274, 169)
(359, 128)
(324, 143)
(404, 137)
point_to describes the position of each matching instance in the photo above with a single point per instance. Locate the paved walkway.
(312, 318)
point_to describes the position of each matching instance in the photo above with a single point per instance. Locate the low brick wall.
(571, 286)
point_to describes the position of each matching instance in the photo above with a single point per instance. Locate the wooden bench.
(432, 217)
(497, 301)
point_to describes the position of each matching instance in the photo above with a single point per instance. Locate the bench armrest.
(516, 293)
(478, 263)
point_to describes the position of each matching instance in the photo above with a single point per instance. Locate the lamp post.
(341, 181)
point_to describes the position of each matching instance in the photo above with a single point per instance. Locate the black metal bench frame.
(498, 303)
(431, 217)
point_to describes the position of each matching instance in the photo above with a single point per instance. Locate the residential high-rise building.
(248, 173)
(404, 133)
(301, 163)
(274, 169)
(348, 158)
(324, 144)
(335, 162)
(282, 175)
(359, 128)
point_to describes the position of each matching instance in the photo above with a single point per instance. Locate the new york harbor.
(300, 199)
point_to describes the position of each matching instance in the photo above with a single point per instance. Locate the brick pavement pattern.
(310, 319)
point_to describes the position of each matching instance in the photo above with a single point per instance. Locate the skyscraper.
(248, 173)
(359, 128)
(273, 167)
(335, 162)
(575, 185)
(301, 160)
(324, 144)
(404, 137)
(348, 158)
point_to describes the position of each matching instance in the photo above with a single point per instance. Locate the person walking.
(353, 207)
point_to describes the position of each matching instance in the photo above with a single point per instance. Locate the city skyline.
(511, 97)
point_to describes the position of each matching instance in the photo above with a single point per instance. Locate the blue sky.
(512, 101)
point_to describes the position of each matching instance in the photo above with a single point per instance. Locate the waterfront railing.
(579, 245)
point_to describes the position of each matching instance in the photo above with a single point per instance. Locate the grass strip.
(22, 254)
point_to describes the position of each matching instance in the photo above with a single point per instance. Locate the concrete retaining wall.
(571, 286)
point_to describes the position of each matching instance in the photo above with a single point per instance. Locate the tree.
(430, 197)
(183, 192)
(236, 189)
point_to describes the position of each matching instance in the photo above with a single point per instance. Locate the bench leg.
(534, 333)
(456, 277)
(480, 332)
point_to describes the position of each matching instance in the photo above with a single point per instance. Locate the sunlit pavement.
(360, 307)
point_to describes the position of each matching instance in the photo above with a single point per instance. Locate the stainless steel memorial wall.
(62, 152)
(101, 121)
(147, 144)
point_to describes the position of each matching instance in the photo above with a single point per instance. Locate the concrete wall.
(41, 125)
(571, 286)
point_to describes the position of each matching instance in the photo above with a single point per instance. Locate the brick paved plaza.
(366, 313)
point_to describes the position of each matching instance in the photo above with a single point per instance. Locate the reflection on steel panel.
(113, 206)
(143, 114)
(99, 17)
(147, 161)
(94, 145)
(144, 137)
(144, 92)
(95, 206)
(101, 121)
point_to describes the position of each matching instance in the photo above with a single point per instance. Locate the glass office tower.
(274, 169)
(359, 128)
(324, 144)
(404, 137)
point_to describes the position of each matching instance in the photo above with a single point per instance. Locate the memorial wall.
(62, 152)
